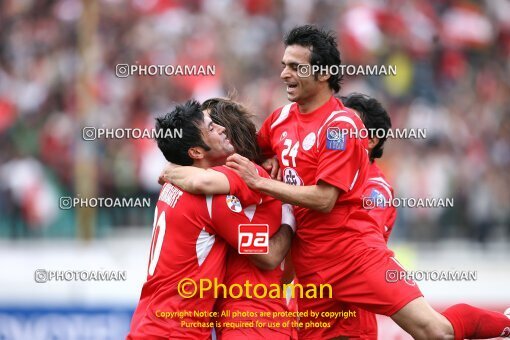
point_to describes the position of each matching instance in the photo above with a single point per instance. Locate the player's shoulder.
(376, 174)
(281, 114)
(377, 181)
(341, 116)
(283, 109)
(172, 194)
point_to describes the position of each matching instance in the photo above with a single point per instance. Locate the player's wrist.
(288, 216)
(258, 183)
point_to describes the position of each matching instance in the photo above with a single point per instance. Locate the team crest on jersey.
(309, 141)
(375, 200)
(290, 176)
(234, 204)
(378, 198)
(335, 139)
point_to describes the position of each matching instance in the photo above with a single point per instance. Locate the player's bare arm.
(207, 182)
(279, 245)
(288, 273)
(196, 180)
(320, 197)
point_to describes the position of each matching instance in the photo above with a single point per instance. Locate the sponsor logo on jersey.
(290, 176)
(253, 239)
(233, 203)
(309, 141)
(335, 139)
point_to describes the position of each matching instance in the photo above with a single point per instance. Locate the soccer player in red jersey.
(241, 131)
(378, 191)
(186, 242)
(325, 171)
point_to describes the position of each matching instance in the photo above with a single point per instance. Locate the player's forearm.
(179, 176)
(198, 181)
(279, 246)
(313, 197)
(288, 271)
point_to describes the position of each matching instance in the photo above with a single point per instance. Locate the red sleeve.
(226, 215)
(338, 156)
(383, 213)
(264, 138)
(239, 188)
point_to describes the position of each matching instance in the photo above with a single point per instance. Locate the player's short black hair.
(323, 48)
(186, 118)
(239, 127)
(374, 117)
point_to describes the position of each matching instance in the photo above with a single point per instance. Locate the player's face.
(299, 88)
(214, 136)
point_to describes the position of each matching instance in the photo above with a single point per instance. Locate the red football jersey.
(378, 188)
(314, 147)
(240, 269)
(186, 243)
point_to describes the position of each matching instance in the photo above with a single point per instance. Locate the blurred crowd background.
(453, 79)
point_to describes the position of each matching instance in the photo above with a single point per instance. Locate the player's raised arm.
(196, 180)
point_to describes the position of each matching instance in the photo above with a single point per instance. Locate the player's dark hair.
(186, 118)
(239, 127)
(323, 48)
(373, 115)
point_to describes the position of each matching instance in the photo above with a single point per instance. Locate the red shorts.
(360, 279)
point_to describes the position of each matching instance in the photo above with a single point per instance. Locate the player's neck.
(315, 102)
(207, 163)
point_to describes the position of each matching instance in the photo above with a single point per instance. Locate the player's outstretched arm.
(195, 180)
(320, 197)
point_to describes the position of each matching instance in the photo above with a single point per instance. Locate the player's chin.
(230, 150)
(292, 97)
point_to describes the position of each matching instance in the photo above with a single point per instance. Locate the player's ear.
(324, 77)
(196, 152)
(372, 142)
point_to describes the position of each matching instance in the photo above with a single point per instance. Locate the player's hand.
(244, 168)
(273, 167)
(165, 177)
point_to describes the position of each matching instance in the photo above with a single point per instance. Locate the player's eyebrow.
(290, 63)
